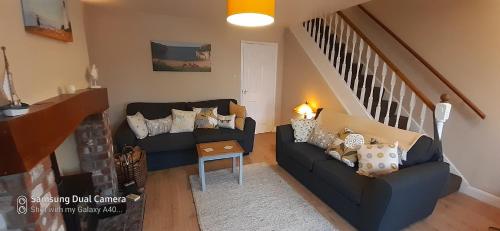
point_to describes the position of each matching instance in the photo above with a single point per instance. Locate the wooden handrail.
(426, 64)
(396, 70)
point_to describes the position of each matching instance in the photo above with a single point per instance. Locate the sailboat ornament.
(15, 106)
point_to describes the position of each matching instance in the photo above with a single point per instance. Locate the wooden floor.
(170, 205)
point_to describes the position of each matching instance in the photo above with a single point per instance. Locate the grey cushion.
(342, 178)
(168, 142)
(305, 154)
(423, 151)
(204, 135)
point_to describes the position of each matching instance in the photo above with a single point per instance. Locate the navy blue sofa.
(391, 202)
(172, 150)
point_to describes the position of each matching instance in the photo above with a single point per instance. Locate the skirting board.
(480, 195)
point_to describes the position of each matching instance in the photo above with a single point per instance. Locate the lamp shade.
(250, 13)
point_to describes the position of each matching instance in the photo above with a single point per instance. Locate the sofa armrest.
(397, 200)
(124, 136)
(284, 136)
(249, 131)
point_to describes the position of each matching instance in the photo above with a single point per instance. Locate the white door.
(258, 82)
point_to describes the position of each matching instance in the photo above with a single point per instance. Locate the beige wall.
(119, 43)
(41, 65)
(303, 82)
(459, 38)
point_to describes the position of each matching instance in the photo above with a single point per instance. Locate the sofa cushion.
(205, 135)
(153, 111)
(422, 151)
(305, 154)
(221, 104)
(168, 142)
(341, 177)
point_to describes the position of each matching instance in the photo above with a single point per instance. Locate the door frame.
(274, 45)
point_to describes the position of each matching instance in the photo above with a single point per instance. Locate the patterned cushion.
(345, 146)
(321, 138)
(378, 159)
(302, 129)
(182, 121)
(402, 153)
(241, 114)
(138, 125)
(205, 117)
(159, 126)
(226, 121)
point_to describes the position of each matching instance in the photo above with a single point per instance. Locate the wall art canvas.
(47, 18)
(181, 57)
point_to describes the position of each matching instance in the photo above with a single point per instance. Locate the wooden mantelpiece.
(26, 140)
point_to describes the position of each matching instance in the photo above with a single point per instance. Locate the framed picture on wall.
(47, 18)
(181, 56)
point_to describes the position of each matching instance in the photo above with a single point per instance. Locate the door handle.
(244, 91)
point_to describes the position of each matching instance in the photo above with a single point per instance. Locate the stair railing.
(344, 43)
(440, 76)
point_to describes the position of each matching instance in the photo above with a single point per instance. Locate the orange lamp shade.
(250, 13)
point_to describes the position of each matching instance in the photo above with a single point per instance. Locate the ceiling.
(287, 11)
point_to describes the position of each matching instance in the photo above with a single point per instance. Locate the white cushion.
(378, 159)
(226, 121)
(182, 121)
(302, 129)
(159, 126)
(137, 123)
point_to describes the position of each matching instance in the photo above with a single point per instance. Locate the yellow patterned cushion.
(378, 159)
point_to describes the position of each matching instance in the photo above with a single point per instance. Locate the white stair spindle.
(313, 27)
(358, 69)
(329, 44)
(350, 75)
(344, 63)
(422, 117)
(412, 107)
(334, 40)
(337, 58)
(324, 32)
(389, 104)
(381, 93)
(368, 56)
(402, 92)
(370, 98)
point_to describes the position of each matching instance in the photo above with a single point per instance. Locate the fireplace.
(31, 186)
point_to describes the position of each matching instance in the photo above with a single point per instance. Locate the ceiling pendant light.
(250, 13)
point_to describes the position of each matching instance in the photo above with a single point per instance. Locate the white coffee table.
(218, 151)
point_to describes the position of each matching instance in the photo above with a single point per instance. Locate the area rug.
(264, 202)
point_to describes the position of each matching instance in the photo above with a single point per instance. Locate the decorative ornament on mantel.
(15, 106)
(93, 77)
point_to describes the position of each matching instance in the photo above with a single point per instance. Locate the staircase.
(384, 92)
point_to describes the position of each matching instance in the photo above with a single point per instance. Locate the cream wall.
(119, 43)
(41, 66)
(303, 82)
(459, 38)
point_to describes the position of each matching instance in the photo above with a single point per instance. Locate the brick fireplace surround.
(27, 144)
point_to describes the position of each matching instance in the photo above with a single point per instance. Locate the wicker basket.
(131, 166)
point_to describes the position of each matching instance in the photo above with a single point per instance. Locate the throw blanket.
(334, 122)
